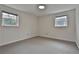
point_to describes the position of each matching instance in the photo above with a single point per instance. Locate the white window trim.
(64, 25)
(17, 22)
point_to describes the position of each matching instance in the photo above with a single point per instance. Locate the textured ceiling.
(50, 8)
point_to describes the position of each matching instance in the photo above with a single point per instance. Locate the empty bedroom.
(39, 28)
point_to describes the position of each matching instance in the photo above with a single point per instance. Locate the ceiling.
(50, 8)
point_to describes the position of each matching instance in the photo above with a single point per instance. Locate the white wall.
(77, 26)
(27, 28)
(47, 29)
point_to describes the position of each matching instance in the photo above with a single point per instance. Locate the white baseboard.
(10, 42)
(55, 38)
(28, 38)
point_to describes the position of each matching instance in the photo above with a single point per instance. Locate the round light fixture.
(41, 6)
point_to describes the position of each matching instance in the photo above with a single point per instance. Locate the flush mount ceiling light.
(41, 6)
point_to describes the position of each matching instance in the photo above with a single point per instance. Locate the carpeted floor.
(40, 45)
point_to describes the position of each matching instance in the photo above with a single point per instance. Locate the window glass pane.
(9, 19)
(61, 21)
(4, 15)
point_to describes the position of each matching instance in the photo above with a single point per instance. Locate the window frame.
(62, 26)
(17, 19)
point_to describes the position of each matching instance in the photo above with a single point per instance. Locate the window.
(9, 19)
(61, 21)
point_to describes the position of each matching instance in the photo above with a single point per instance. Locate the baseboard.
(56, 39)
(61, 40)
(7, 43)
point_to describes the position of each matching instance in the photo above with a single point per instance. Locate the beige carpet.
(39, 45)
